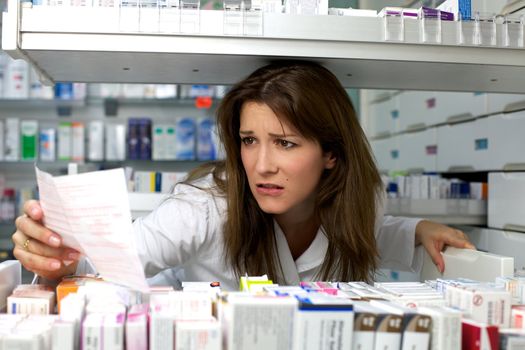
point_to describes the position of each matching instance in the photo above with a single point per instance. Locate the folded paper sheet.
(91, 213)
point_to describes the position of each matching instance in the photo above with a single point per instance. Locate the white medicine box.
(463, 147)
(506, 141)
(506, 209)
(418, 150)
(417, 110)
(386, 153)
(384, 117)
(500, 242)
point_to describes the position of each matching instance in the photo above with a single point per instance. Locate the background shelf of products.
(429, 131)
(469, 136)
(475, 72)
(73, 49)
(23, 99)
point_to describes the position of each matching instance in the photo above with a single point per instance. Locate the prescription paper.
(90, 211)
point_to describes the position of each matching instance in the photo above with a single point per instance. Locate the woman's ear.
(329, 160)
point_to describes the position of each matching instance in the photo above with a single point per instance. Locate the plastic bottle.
(7, 205)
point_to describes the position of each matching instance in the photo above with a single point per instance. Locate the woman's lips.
(269, 189)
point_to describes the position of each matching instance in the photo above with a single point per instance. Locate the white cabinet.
(384, 117)
(418, 150)
(506, 209)
(417, 109)
(491, 143)
(498, 103)
(452, 106)
(378, 95)
(429, 108)
(463, 147)
(506, 141)
(386, 152)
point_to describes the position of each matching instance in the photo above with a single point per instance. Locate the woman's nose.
(265, 161)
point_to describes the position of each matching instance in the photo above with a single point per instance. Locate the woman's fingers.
(34, 262)
(435, 254)
(458, 239)
(38, 248)
(33, 209)
(34, 230)
(48, 268)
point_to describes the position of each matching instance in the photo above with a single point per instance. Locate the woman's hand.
(39, 249)
(434, 237)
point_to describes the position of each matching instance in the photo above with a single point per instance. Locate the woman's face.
(283, 168)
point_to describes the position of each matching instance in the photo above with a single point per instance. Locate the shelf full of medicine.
(354, 48)
(448, 201)
(182, 139)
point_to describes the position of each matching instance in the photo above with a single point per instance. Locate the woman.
(298, 197)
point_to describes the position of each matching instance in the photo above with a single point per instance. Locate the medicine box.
(383, 117)
(506, 209)
(505, 141)
(386, 153)
(418, 150)
(464, 146)
(470, 264)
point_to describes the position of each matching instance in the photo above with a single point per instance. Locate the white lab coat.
(183, 240)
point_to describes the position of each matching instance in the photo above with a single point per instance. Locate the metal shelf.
(85, 45)
(25, 169)
(28, 103)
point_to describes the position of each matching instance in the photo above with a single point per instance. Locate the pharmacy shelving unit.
(87, 45)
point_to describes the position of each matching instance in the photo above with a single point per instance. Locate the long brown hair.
(310, 99)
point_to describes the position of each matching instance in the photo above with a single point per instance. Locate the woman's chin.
(271, 209)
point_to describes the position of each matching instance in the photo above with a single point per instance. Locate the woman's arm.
(398, 239)
(434, 237)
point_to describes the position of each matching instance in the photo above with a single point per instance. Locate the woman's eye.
(286, 144)
(248, 140)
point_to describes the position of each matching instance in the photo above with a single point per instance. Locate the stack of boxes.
(438, 314)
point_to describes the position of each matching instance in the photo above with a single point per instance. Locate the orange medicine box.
(70, 284)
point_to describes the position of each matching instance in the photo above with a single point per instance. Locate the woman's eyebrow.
(249, 132)
(281, 135)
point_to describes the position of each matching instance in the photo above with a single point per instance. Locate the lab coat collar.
(313, 257)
